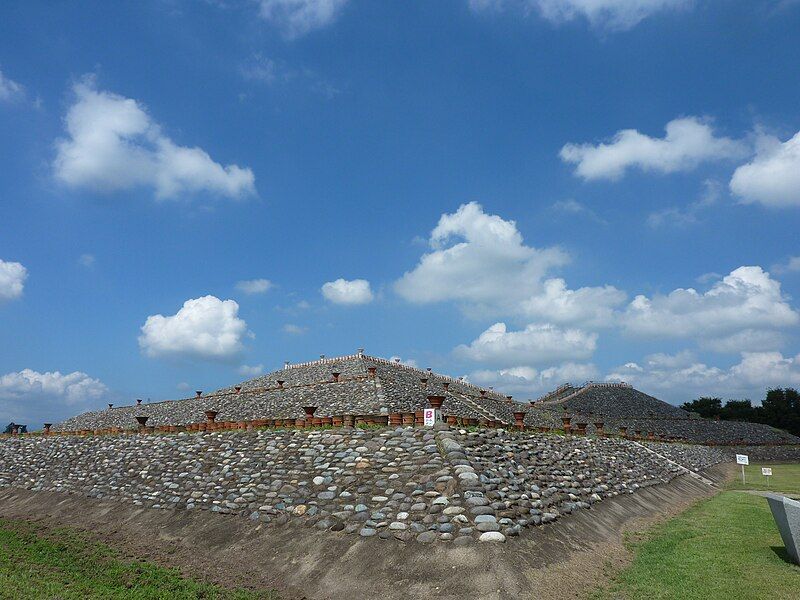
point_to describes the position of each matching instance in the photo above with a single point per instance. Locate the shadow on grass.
(781, 552)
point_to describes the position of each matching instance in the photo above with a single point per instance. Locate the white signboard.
(766, 470)
(430, 417)
(742, 459)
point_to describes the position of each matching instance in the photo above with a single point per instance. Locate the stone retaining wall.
(406, 483)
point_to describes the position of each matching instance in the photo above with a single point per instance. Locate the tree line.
(780, 408)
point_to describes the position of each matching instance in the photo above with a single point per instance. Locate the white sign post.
(742, 459)
(430, 417)
(767, 473)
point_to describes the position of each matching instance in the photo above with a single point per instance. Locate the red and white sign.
(430, 417)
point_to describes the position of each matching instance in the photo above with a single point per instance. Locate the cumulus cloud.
(296, 18)
(342, 291)
(682, 377)
(531, 382)
(481, 262)
(614, 15)
(205, 328)
(251, 371)
(772, 177)
(112, 144)
(26, 393)
(536, 344)
(10, 89)
(688, 142)
(254, 286)
(12, 280)
(743, 304)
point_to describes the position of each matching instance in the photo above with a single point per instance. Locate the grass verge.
(785, 478)
(727, 548)
(67, 564)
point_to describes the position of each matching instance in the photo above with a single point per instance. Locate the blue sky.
(525, 192)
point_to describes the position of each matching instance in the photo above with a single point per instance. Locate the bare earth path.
(564, 560)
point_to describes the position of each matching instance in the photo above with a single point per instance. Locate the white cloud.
(251, 371)
(614, 15)
(410, 362)
(746, 339)
(772, 178)
(342, 291)
(481, 262)
(10, 89)
(113, 144)
(254, 286)
(686, 377)
(573, 208)
(791, 265)
(52, 394)
(690, 214)
(535, 344)
(292, 329)
(12, 280)
(592, 306)
(262, 68)
(742, 304)
(205, 328)
(298, 17)
(688, 142)
(532, 382)
(87, 260)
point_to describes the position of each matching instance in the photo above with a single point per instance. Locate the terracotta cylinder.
(211, 415)
(623, 431)
(452, 420)
(316, 422)
(337, 421)
(47, 427)
(519, 420)
(582, 428)
(436, 401)
(599, 427)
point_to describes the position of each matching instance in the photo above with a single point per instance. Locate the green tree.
(706, 407)
(738, 410)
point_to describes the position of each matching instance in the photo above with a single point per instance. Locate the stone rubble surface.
(410, 484)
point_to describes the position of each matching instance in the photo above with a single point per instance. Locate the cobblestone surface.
(404, 483)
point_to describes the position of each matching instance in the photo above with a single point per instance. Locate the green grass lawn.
(727, 547)
(68, 564)
(785, 478)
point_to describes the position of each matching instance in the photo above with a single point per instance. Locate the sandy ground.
(566, 559)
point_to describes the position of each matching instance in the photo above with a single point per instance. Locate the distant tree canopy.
(780, 408)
